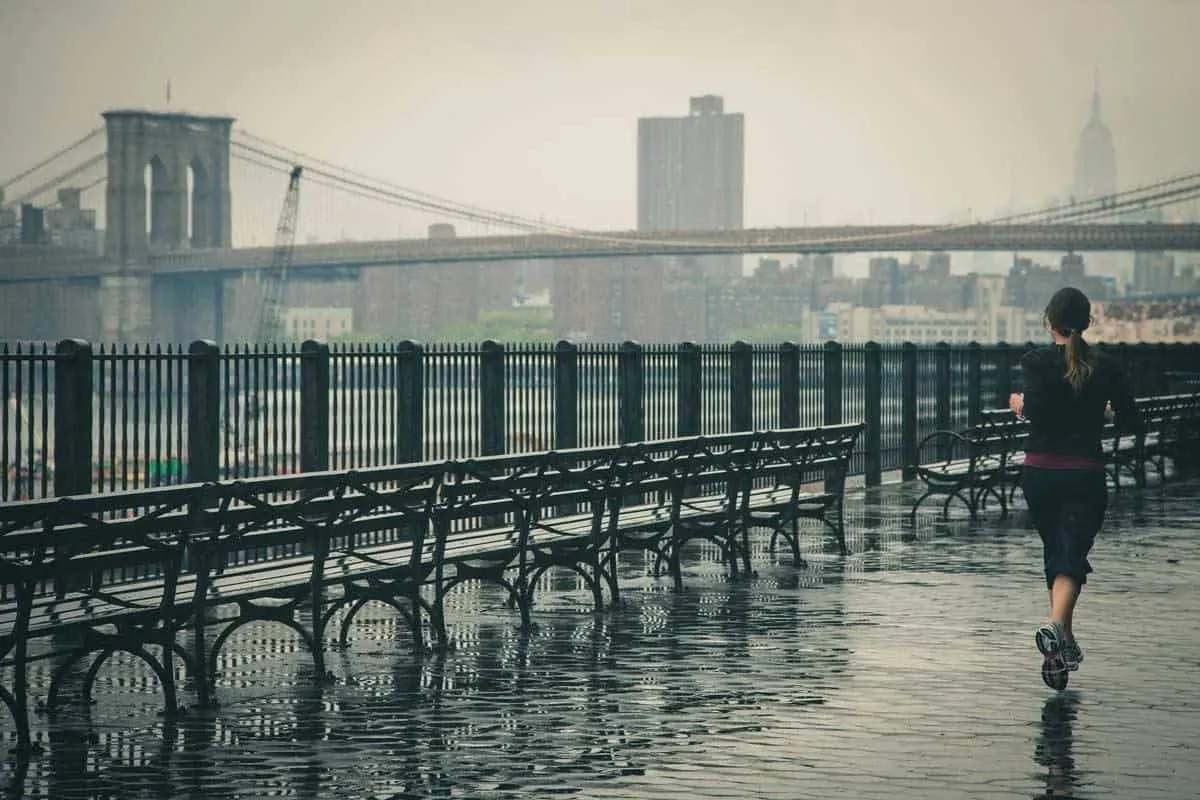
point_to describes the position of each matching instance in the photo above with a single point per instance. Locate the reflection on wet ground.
(904, 670)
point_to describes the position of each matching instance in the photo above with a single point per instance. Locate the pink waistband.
(1058, 461)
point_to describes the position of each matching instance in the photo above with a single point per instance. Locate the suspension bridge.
(164, 184)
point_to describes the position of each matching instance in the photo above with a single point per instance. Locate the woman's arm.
(1126, 416)
(1035, 405)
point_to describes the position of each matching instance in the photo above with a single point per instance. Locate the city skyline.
(855, 112)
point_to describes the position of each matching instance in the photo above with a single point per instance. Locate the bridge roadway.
(53, 265)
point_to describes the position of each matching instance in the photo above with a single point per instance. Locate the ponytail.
(1079, 361)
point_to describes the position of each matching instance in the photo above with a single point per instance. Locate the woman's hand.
(1016, 401)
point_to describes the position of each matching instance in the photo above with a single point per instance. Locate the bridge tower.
(169, 151)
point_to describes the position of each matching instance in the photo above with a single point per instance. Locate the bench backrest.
(87, 542)
(53, 545)
(521, 488)
(796, 456)
(999, 434)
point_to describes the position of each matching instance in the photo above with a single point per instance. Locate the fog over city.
(431, 125)
(856, 110)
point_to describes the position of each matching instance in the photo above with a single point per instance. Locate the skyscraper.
(1095, 157)
(1095, 177)
(691, 174)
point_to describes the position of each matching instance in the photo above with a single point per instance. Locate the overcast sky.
(887, 110)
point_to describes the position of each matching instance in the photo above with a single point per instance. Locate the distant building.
(1095, 157)
(610, 300)
(1030, 285)
(896, 324)
(69, 224)
(691, 175)
(318, 323)
(420, 300)
(1153, 273)
(10, 226)
(1095, 177)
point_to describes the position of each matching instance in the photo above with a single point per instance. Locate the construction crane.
(273, 280)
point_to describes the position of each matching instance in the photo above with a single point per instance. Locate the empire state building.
(1095, 158)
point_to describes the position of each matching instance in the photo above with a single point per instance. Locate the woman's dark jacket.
(1064, 422)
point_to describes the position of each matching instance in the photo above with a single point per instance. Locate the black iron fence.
(78, 419)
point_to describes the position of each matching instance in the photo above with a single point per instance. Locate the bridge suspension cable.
(1154, 195)
(60, 179)
(466, 210)
(384, 193)
(58, 154)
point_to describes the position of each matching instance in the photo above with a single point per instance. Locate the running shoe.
(1055, 673)
(1049, 639)
(1072, 656)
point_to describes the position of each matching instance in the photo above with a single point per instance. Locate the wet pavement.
(906, 670)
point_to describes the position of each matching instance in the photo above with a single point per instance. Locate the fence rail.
(77, 419)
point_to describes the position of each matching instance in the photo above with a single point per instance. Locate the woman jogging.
(1068, 389)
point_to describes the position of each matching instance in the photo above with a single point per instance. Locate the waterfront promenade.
(903, 670)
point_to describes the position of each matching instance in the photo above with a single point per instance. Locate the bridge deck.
(602, 244)
(799, 683)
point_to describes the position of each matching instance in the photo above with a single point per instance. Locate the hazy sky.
(888, 110)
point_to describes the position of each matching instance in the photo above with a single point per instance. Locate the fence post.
(566, 396)
(832, 397)
(908, 409)
(1003, 375)
(72, 428)
(410, 403)
(1130, 365)
(631, 423)
(314, 406)
(789, 385)
(1131, 357)
(942, 392)
(204, 411)
(873, 412)
(72, 417)
(832, 390)
(1162, 359)
(974, 383)
(491, 399)
(1180, 352)
(741, 387)
(689, 390)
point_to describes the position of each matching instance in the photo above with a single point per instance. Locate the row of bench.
(168, 574)
(985, 461)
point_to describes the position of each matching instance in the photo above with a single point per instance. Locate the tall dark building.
(691, 175)
(1095, 157)
(1096, 176)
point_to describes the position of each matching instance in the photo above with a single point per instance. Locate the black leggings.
(1067, 507)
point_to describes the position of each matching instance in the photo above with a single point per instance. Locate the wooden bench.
(972, 466)
(801, 475)
(1171, 433)
(97, 574)
(671, 492)
(132, 571)
(985, 461)
(717, 488)
(172, 573)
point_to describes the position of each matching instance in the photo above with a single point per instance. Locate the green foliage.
(517, 325)
(768, 334)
